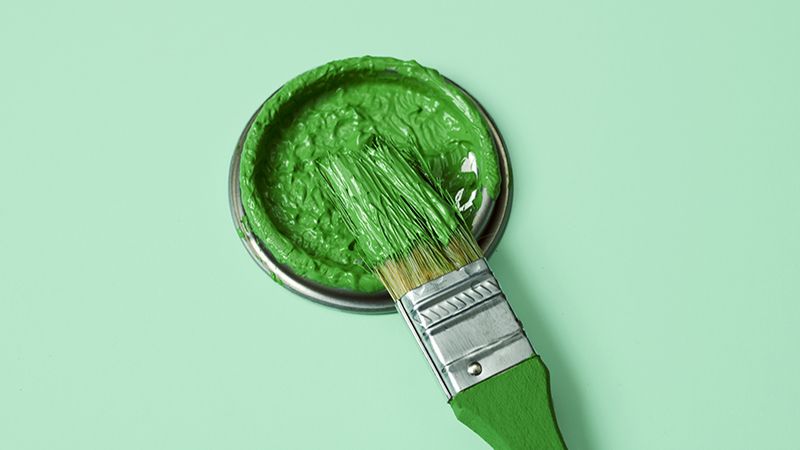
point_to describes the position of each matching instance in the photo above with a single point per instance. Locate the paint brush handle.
(512, 410)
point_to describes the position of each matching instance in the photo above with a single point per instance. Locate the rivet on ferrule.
(465, 327)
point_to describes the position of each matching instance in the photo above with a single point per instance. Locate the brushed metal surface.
(465, 327)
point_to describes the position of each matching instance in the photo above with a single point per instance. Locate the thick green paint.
(387, 203)
(335, 108)
(512, 410)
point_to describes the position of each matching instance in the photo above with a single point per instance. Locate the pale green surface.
(652, 253)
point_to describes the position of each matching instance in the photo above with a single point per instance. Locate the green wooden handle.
(512, 410)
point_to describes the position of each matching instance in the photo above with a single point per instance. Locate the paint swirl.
(339, 107)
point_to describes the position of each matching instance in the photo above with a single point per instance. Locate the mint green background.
(652, 251)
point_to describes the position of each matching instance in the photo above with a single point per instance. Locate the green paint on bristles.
(406, 229)
(410, 233)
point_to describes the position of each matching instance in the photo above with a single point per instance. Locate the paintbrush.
(415, 240)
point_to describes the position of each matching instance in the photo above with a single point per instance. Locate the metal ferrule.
(465, 327)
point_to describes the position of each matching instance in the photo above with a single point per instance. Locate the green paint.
(512, 410)
(386, 203)
(335, 108)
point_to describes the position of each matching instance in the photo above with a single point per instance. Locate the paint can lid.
(488, 227)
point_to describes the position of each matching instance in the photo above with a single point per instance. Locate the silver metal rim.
(377, 303)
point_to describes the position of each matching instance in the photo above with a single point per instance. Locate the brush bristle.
(403, 274)
(407, 229)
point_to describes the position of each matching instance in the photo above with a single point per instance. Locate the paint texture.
(337, 108)
(408, 230)
(387, 202)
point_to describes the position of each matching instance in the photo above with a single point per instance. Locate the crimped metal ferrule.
(465, 327)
